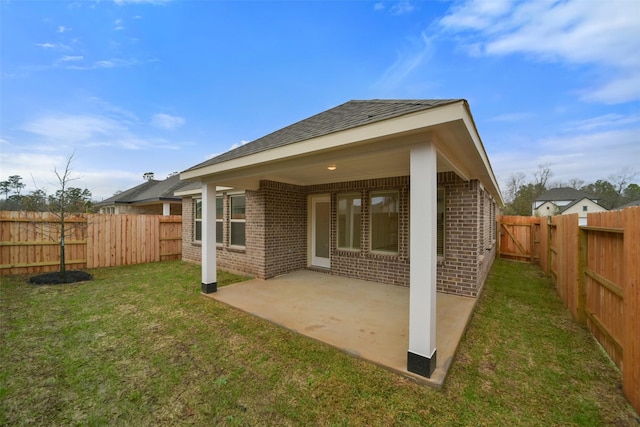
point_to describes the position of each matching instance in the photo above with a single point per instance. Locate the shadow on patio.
(366, 319)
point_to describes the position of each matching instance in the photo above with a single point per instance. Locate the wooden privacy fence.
(597, 273)
(519, 238)
(29, 241)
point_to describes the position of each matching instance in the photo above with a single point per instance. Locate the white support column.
(421, 357)
(166, 209)
(209, 277)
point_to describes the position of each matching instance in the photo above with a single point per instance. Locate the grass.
(138, 345)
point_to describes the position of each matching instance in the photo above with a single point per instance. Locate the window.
(440, 223)
(349, 210)
(384, 221)
(584, 208)
(197, 220)
(219, 217)
(238, 217)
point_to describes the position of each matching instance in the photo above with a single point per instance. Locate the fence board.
(29, 241)
(519, 238)
(597, 275)
(631, 289)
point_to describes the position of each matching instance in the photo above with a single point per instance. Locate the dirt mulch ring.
(55, 278)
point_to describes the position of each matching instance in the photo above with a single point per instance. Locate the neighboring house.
(628, 205)
(564, 201)
(151, 198)
(392, 191)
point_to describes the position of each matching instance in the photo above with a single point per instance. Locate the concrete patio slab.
(366, 319)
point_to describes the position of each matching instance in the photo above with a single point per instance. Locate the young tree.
(65, 202)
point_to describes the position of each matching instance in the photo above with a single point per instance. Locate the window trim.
(440, 252)
(377, 193)
(220, 220)
(237, 220)
(196, 220)
(350, 197)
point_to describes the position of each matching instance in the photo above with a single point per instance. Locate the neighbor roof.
(149, 191)
(563, 193)
(346, 116)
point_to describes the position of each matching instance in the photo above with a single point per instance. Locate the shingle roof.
(346, 116)
(152, 190)
(564, 193)
(630, 204)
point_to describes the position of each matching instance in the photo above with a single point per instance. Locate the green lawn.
(139, 345)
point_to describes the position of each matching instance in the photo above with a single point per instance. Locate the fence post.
(630, 342)
(498, 234)
(581, 273)
(549, 244)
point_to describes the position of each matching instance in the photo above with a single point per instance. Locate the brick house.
(152, 197)
(393, 191)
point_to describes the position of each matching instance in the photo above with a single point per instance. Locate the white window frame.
(233, 221)
(379, 193)
(197, 220)
(349, 197)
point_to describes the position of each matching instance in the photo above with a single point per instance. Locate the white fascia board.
(198, 191)
(475, 135)
(403, 124)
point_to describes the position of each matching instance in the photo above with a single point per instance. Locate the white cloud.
(582, 155)
(407, 61)
(120, 2)
(63, 29)
(118, 25)
(402, 7)
(243, 142)
(57, 46)
(166, 121)
(511, 117)
(604, 34)
(609, 121)
(378, 6)
(69, 58)
(59, 131)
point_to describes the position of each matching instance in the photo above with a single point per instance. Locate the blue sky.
(133, 86)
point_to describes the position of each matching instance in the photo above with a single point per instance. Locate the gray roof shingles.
(152, 190)
(563, 193)
(345, 116)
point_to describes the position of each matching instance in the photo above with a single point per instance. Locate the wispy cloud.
(511, 117)
(90, 130)
(63, 29)
(70, 58)
(141, 1)
(167, 121)
(118, 25)
(397, 8)
(406, 62)
(602, 34)
(402, 7)
(57, 46)
(577, 153)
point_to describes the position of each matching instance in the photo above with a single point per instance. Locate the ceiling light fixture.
(331, 167)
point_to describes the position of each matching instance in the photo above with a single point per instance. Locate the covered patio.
(365, 319)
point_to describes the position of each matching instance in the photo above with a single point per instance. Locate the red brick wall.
(285, 227)
(276, 231)
(364, 264)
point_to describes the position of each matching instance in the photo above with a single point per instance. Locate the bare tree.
(542, 176)
(66, 201)
(576, 183)
(513, 184)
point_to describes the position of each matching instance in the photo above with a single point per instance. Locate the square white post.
(421, 357)
(209, 276)
(166, 209)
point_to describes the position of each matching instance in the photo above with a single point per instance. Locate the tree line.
(615, 191)
(74, 199)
